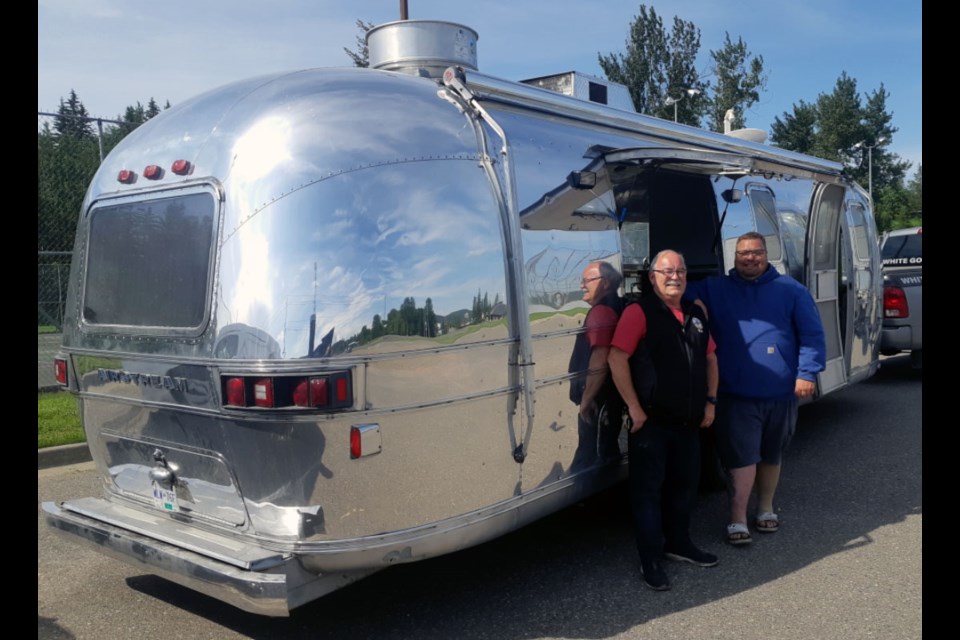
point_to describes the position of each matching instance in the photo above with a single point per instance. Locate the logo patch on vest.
(698, 325)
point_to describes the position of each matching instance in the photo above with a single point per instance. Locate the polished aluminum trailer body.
(411, 247)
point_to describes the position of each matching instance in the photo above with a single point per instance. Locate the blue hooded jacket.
(768, 333)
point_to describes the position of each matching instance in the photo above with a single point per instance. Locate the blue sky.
(114, 53)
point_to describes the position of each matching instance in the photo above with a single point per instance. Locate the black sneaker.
(694, 556)
(653, 575)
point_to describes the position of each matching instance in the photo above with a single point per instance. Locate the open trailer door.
(823, 274)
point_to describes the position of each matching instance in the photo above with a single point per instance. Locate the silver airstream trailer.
(320, 322)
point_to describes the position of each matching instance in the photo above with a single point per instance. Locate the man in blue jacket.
(770, 347)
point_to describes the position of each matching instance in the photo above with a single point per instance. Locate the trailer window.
(148, 263)
(856, 220)
(765, 215)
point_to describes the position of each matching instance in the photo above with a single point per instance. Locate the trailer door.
(823, 258)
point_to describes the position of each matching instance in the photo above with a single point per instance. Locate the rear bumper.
(898, 339)
(255, 580)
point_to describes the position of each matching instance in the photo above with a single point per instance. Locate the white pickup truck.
(902, 252)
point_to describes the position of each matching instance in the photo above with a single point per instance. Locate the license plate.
(165, 499)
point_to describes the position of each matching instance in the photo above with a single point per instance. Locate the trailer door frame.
(823, 275)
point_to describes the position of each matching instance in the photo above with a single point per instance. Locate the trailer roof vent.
(422, 47)
(586, 87)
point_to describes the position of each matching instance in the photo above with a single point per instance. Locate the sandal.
(767, 522)
(737, 534)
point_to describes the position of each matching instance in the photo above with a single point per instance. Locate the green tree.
(658, 66)
(739, 79)
(798, 130)
(360, 57)
(153, 109)
(643, 68)
(877, 125)
(133, 116)
(68, 156)
(915, 192)
(65, 166)
(841, 126)
(72, 119)
(683, 81)
(892, 207)
(839, 116)
(429, 319)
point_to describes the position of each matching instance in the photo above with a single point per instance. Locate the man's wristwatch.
(712, 399)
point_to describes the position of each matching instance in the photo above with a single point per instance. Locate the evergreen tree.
(134, 114)
(877, 125)
(658, 66)
(839, 115)
(361, 57)
(68, 155)
(153, 109)
(643, 68)
(915, 193)
(798, 130)
(430, 319)
(839, 126)
(682, 77)
(72, 119)
(739, 80)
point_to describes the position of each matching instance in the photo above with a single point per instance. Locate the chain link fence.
(69, 150)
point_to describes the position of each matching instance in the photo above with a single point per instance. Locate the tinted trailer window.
(148, 263)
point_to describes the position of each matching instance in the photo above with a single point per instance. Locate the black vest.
(669, 367)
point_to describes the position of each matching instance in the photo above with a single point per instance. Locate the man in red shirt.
(592, 389)
(663, 363)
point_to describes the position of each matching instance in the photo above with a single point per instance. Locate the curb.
(63, 455)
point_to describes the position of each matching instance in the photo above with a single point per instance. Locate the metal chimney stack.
(422, 47)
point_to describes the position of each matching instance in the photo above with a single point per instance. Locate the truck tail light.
(327, 391)
(895, 303)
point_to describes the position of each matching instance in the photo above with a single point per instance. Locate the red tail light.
(181, 167)
(328, 391)
(263, 392)
(343, 389)
(126, 176)
(365, 440)
(235, 392)
(311, 392)
(60, 370)
(895, 303)
(356, 444)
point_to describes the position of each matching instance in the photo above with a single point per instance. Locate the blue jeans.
(664, 474)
